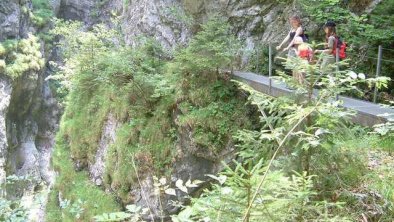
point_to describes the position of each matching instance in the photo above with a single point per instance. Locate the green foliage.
(140, 90)
(381, 181)
(3, 50)
(86, 52)
(212, 48)
(42, 13)
(179, 15)
(301, 129)
(356, 29)
(213, 123)
(155, 102)
(133, 213)
(102, 79)
(363, 33)
(341, 162)
(77, 116)
(74, 209)
(209, 104)
(78, 196)
(374, 197)
(19, 57)
(282, 199)
(258, 60)
(126, 3)
(386, 130)
(381, 19)
(11, 210)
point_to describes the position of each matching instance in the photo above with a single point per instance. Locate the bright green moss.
(74, 186)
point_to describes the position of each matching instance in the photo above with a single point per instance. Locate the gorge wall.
(28, 116)
(29, 113)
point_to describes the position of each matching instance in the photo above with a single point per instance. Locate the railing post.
(257, 59)
(337, 66)
(378, 68)
(270, 67)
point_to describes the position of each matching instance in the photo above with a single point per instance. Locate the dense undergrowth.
(320, 171)
(322, 168)
(74, 197)
(152, 98)
(343, 187)
(307, 162)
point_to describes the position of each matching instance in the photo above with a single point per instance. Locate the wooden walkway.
(368, 114)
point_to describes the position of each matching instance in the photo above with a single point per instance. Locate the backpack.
(305, 52)
(305, 37)
(341, 46)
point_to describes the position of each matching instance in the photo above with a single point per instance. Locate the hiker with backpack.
(333, 43)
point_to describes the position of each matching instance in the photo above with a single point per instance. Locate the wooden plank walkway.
(367, 112)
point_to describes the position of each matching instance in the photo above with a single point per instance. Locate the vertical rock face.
(11, 22)
(164, 20)
(107, 138)
(5, 95)
(76, 9)
(10, 19)
(28, 114)
(169, 22)
(88, 11)
(31, 125)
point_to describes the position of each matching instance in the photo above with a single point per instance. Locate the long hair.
(296, 18)
(331, 31)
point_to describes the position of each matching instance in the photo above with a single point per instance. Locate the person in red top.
(305, 53)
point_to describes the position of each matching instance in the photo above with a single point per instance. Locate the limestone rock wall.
(28, 117)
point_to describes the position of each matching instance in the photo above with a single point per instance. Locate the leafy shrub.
(211, 49)
(282, 199)
(42, 12)
(19, 57)
(11, 210)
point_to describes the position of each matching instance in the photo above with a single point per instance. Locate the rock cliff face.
(171, 22)
(28, 114)
(31, 125)
(12, 21)
(5, 95)
(12, 25)
(108, 137)
(76, 10)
